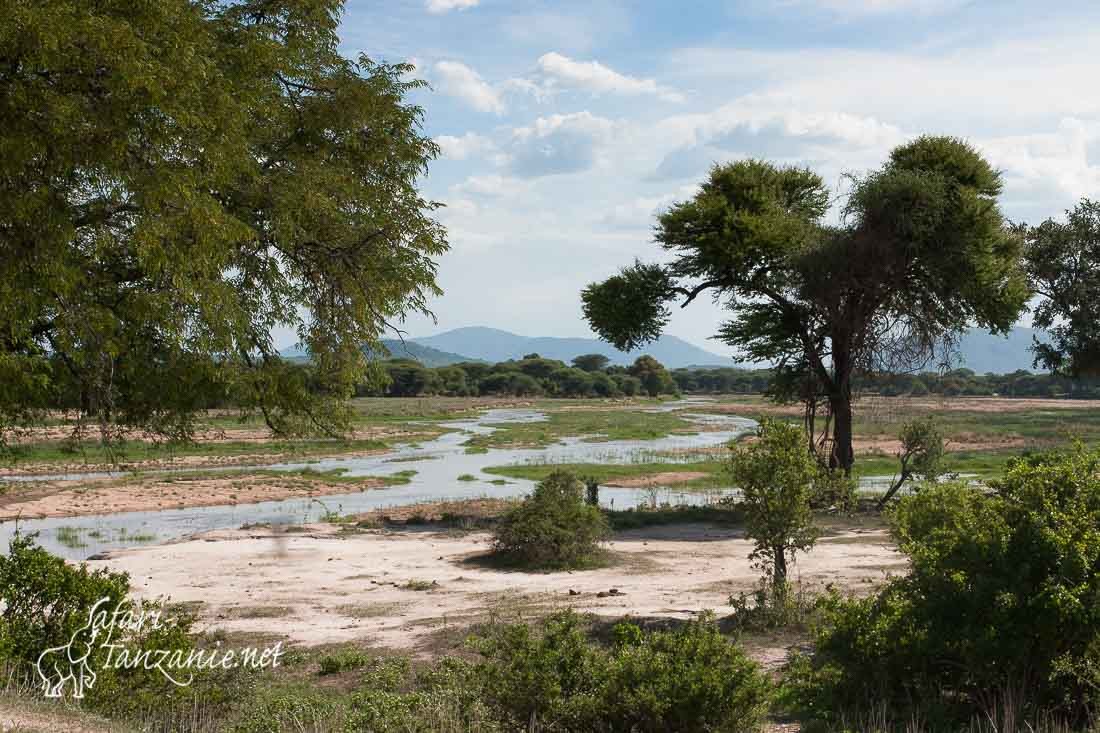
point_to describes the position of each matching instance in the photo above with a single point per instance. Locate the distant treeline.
(592, 376)
(589, 375)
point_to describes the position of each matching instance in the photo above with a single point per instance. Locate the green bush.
(553, 527)
(343, 660)
(690, 679)
(442, 699)
(998, 618)
(47, 603)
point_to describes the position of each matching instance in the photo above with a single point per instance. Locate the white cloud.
(467, 146)
(461, 81)
(1047, 172)
(962, 90)
(493, 186)
(558, 144)
(597, 78)
(443, 6)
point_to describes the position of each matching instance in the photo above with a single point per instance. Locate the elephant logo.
(68, 664)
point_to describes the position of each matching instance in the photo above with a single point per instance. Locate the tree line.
(588, 375)
(535, 376)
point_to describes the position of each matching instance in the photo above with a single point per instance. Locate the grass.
(715, 470)
(467, 477)
(70, 537)
(613, 423)
(136, 451)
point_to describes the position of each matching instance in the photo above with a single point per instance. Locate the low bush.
(343, 660)
(689, 679)
(998, 618)
(47, 603)
(552, 528)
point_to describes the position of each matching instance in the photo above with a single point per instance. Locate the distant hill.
(493, 345)
(426, 355)
(979, 350)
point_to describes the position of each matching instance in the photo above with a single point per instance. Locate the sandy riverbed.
(110, 496)
(324, 585)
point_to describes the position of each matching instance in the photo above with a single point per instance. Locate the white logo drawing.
(68, 663)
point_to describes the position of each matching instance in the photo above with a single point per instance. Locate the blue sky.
(565, 126)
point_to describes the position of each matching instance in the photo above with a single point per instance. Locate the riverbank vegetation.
(989, 629)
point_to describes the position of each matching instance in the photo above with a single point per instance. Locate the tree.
(776, 475)
(591, 362)
(570, 382)
(921, 454)
(654, 377)
(181, 177)
(921, 252)
(1064, 263)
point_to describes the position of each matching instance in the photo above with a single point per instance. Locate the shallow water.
(438, 464)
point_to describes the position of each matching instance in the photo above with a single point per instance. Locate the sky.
(565, 127)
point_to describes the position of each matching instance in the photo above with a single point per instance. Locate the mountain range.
(493, 345)
(979, 350)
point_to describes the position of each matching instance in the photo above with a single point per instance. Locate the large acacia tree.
(921, 252)
(180, 177)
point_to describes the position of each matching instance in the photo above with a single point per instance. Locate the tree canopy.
(179, 178)
(921, 251)
(1064, 262)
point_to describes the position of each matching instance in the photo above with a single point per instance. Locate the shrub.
(439, 700)
(998, 617)
(343, 660)
(553, 527)
(921, 454)
(776, 475)
(47, 603)
(690, 679)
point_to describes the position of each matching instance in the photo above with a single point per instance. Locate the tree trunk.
(780, 570)
(843, 455)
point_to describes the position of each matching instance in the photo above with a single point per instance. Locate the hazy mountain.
(493, 345)
(979, 350)
(426, 355)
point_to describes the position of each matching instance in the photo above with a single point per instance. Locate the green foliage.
(591, 362)
(689, 679)
(1064, 264)
(443, 698)
(776, 476)
(343, 660)
(181, 177)
(922, 451)
(628, 309)
(48, 603)
(654, 378)
(921, 254)
(768, 608)
(998, 613)
(553, 527)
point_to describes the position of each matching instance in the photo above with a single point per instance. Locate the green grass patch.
(132, 451)
(716, 477)
(596, 425)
